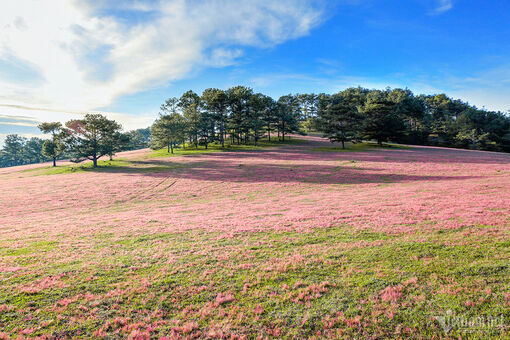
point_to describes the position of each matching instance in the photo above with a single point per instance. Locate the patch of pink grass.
(400, 191)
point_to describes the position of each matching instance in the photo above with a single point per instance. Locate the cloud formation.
(443, 6)
(83, 55)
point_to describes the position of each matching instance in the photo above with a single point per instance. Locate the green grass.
(106, 165)
(297, 280)
(116, 165)
(216, 147)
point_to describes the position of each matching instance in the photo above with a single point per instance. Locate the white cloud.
(26, 135)
(443, 6)
(24, 115)
(88, 54)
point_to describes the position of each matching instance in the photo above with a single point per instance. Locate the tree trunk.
(172, 147)
(54, 161)
(269, 134)
(95, 161)
(168, 147)
(343, 144)
(111, 157)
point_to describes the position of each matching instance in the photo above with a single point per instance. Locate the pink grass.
(397, 191)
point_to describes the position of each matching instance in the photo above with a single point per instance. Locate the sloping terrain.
(293, 241)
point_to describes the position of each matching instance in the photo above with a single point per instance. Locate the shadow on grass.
(190, 150)
(231, 170)
(296, 163)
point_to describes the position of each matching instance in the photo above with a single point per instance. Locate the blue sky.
(62, 58)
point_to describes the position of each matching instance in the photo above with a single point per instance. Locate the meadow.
(287, 240)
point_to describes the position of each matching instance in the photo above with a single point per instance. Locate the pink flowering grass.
(295, 241)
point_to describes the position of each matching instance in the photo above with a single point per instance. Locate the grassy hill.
(291, 240)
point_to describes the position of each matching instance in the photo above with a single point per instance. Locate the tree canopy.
(240, 115)
(92, 137)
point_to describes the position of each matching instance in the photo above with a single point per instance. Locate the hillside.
(293, 240)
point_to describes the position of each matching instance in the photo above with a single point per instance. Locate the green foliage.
(400, 116)
(341, 121)
(237, 114)
(92, 137)
(18, 150)
(12, 152)
(215, 101)
(52, 128)
(137, 139)
(52, 148)
(381, 120)
(168, 130)
(288, 115)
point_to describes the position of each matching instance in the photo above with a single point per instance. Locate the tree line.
(353, 115)
(92, 137)
(238, 115)
(400, 116)
(235, 116)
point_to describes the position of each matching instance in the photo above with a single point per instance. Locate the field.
(292, 240)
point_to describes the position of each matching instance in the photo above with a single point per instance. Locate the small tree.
(288, 113)
(12, 151)
(116, 142)
(52, 150)
(381, 120)
(216, 101)
(190, 106)
(91, 137)
(238, 104)
(341, 121)
(167, 131)
(138, 139)
(193, 119)
(32, 152)
(259, 104)
(269, 115)
(54, 147)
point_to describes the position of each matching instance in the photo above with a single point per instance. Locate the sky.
(60, 59)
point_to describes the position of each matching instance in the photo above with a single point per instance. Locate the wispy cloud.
(88, 54)
(443, 6)
(24, 115)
